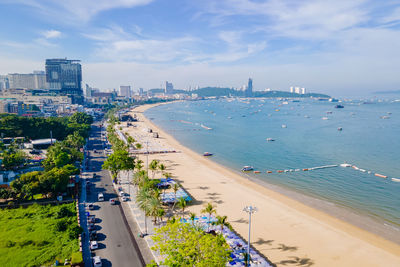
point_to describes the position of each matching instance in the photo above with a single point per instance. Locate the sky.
(339, 47)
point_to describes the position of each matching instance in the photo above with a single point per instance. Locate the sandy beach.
(286, 231)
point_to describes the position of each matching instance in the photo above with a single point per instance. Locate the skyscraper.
(169, 88)
(125, 90)
(35, 80)
(249, 89)
(65, 77)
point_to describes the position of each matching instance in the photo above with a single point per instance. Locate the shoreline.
(303, 208)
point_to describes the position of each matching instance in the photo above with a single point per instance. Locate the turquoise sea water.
(238, 138)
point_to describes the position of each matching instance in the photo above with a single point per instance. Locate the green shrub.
(74, 231)
(76, 258)
(64, 212)
(61, 226)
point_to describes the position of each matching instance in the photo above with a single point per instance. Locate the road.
(117, 245)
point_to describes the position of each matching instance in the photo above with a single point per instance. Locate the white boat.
(325, 118)
(396, 180)
(284, 126)
(345, 165)
(247, 168)
(207, 154)
(270, 139)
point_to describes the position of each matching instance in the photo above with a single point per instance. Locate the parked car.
(91, 218)
(100, 197)
(91, 227)
(97, 261)
(94, 245)
(91, 206)
(125, 198)
(112, 201)
(93, 236)
(121, 193)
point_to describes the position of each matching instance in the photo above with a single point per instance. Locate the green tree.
(162, 168)
(192, 216)
(182, 203)
(222, 221)
(13, 159)
(81, 118)
(185, 245)
(153, 166)
(118, 161)
(209, 209)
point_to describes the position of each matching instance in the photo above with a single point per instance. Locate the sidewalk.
(138, 214)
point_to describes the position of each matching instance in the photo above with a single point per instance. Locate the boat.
(257, 172)
(339, 106)
(339, 128)
(247, 168)
(345, 165)
(385, 117)
(305, 169)
(284, 126)
(205, 127)
(270, 139)
(380, 175)
(325, 118)
(396, 180)
(269, 171)
(207, 154)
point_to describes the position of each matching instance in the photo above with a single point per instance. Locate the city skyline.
(333, 47)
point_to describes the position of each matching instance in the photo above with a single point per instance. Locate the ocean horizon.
(306, 134)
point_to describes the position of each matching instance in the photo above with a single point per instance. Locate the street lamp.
(249, 210)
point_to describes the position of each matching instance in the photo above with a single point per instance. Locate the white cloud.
(51, 34)
(78, 11)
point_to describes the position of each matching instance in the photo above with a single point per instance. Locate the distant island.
(229, 92)
(388, 92)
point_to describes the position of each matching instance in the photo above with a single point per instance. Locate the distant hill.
(224, 91)
(388, 92)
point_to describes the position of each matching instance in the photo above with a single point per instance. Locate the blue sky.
(339, 47)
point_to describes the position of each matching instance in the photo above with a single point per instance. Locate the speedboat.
(339, 106)
(284, 126)
(270, 139)
(247, 168)
(207, 154)
(339, 128)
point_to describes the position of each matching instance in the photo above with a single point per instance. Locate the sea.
(306, 134)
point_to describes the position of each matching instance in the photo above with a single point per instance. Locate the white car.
(121, 193)
(94, 245)
(97, 261)
(125, 198)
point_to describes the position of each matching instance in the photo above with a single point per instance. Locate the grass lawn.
(38, 235)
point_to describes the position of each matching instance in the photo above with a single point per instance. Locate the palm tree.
(247, 258)
(182, 203)
(209, 209)
(153, 166)
(154, 205)
(162, 168)
(222, 221)
(192, 216)
(161, 213)
(138, 146)
(175, 188)
(143, 198)
(139, 164)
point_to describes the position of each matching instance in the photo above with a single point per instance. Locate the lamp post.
(249, 210)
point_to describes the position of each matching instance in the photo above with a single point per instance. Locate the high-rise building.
(65, 77)
(35, 80)
(249, 88)
(298, 90)
(125, 90)
(88, 91)
(169, 88)
(4, 84)
(140, 91)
